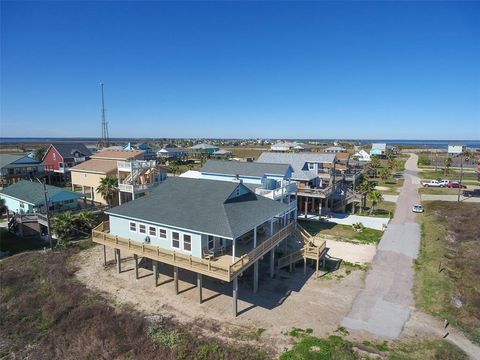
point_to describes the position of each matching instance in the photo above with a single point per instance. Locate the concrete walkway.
(371, 222)
(384, 305)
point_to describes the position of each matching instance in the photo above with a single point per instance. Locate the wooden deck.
(217, 269)
(314, 249)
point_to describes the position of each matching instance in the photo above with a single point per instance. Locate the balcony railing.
(136, 164)
(101, 235)
(135, 188)
(276, 194)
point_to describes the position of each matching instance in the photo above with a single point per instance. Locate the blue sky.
(399, 70)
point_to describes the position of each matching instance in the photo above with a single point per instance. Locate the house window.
(187, 242)
(162, 233)
(142, 228)
(152, 231)
(211, 242)
(175, 240)
(53, 156)
(133, 226)
(311, 166)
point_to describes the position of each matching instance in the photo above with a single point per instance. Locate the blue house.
(214, 228)
(378, 149)
(28, 197)
(16, 167)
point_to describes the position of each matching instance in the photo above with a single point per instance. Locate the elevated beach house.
(25, 202)
(61, 157)
(86, 177)
(324, 183)
(215, 228)
(14, 168)
(378, 149)
(202, 149)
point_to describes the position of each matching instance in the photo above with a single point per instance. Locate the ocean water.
(433, 144)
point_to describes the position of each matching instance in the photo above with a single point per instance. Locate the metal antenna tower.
(105, 141)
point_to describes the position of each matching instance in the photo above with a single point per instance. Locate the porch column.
(271, 227)
(73, 187)
(175, 278)
(155, 272)
(320, 208)
(306, 206)
(233, 251)
(135, 259)
(313, 205)
(104, 255)
(199, 286)
(118, 259)
(272, 262)
(235, 296)
(254, 237)
(255, 277)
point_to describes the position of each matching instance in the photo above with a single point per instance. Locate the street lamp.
(46, 211)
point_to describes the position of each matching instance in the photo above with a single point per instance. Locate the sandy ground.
(354, 253)
(290, 300)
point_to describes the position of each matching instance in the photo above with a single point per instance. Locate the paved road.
(428, 197)
(384, 305)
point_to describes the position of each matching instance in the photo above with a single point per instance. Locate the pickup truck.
(435, 183)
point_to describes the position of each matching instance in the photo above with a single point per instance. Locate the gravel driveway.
(384, 305)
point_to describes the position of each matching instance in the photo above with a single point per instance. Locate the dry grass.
(46, 314)
(448, 268)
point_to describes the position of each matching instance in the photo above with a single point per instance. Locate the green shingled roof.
(32, 192)
(201, 205)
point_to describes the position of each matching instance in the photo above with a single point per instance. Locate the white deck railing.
(278, 193)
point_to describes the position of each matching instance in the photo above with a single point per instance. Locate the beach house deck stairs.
(312, 248)
(347, 196)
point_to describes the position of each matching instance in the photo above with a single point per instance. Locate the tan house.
(86, 176)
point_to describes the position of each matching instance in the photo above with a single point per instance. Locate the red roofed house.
(60, 157)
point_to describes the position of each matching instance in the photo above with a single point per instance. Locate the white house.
(362, 155)
(456, 149)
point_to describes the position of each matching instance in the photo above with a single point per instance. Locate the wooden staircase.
(312, 248)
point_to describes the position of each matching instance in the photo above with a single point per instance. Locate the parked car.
(417, 208)
(434, 183)
(444, 182)
(471, 193)
(455, 185)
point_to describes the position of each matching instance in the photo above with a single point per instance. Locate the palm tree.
(376, 197)
(173, 168)
(392, 164)
(85, 221)
(40, 153)
(375, 164)
(385, 173)
(108, 188)
(448, 164)
(365, 188)
(63, 226)
(389, 154)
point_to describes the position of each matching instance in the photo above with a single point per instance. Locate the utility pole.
(461, 178)
(47, 212)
